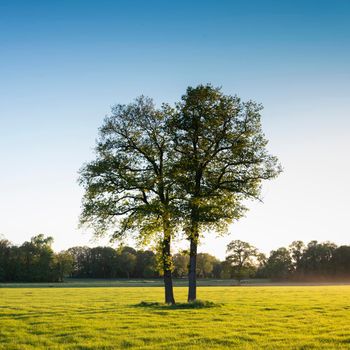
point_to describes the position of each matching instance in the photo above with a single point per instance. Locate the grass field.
(111, 318)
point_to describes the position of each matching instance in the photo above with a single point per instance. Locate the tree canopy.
(242, 257)
(222, 161)
(129, 186)
(189, 167)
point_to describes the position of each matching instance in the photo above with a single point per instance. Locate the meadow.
(254, 317)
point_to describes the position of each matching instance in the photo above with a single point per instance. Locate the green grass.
(113, 318)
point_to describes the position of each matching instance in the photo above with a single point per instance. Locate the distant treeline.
(35, 261)
(314, 261)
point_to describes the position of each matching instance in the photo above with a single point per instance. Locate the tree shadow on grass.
(198, 304)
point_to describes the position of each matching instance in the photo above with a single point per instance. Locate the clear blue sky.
(64, 63)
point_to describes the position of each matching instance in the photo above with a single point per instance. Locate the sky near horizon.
(64, 63)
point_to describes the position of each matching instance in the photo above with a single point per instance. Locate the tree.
(63, 262)
(128, 262)
(261, 268)
(81, 261)
(103, 262)
(341, 261)
(5, 251)
(296, 249)
(317, 259)
(279, 264)
(129, 185)
(36, 258)
(241, 258)
(205, 265)
(226, 270)
(222, 160)
(180, 262)
(146, 264)
(217, 269)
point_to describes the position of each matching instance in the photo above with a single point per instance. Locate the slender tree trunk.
(167, 263)
(192, 271)
(168, 287)
(192, 277)
(194, 236)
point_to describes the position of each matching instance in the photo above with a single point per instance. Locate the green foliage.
(5, 252)
(222, 161)
(128, 185)
(103, 262)
(63, 265)
(242, 259)
(317, 258)
(180, 263)
(205, 265)
(189, 167)
(208, 266)
(146, 265)
(316, 261)
(106, 262)
(128, 261)
(296, 250)
(341, 261)
(222, 156)
(279, 264)
(35, 261)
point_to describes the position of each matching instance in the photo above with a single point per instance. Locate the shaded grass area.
(198, 304)
(113, 318)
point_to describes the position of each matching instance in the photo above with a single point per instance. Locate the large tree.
(205, 265)
(317, 259)
(129, 184)
(63, 265)
(180, 261)
(35, 258)
(222, 161)
(5, 258)
(241, 256)
(279, 265)
(341, 262)
(296, 249)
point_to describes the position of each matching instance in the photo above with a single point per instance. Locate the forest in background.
(35, 261)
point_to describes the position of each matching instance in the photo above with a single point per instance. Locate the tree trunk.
(194, 237)
(192, 272)
(167, 263)
(168, 288)
(192, 277)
